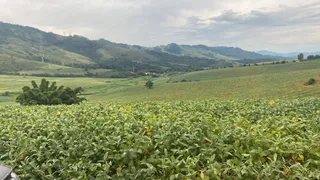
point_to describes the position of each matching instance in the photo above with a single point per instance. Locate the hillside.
(287, 55)
(29, 44)
(223, 53)
(280, 81)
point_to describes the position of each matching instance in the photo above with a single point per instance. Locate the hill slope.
(287, 55)
(28, 43)
(255, 82)
(223, 53)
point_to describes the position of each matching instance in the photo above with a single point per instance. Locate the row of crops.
(180, 140)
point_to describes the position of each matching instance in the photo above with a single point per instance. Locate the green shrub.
(311, 81)
(49, 94)
(149, 84)
(7, 93)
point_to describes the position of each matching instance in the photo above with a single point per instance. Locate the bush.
(5, 93)
(47, 94)
(149, 84)
(183, 80)
(310, 82)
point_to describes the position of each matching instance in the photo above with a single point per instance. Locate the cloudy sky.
(277, 25)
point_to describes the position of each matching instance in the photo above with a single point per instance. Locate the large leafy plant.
(49, 94)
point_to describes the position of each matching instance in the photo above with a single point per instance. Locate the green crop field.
(283, 81)
(95, 89)
(180, 140)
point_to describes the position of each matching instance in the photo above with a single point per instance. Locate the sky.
(275, 25)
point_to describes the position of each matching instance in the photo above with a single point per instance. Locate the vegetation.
(223, 53)
(181, 140)
(300, 57)
(49, 94)
(270, 81)
(7, 93)
(79, 52)
(311, 81)
(149, 84)
(313, 57)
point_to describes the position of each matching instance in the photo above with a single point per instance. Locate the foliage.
(313, 57)
(311, 81)
(173, 48)
(300, 57)
(49, 94)
(7, 93)
(149, 84)
(181, 140)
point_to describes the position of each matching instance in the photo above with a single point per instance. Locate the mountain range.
(286, 55)
(26, 49)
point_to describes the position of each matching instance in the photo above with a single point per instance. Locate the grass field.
(283, 81)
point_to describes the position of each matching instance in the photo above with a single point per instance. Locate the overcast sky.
(277, 25)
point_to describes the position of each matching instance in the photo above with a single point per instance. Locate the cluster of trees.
(7, 93)
(310, 57)
(313, 57)
(49, 94)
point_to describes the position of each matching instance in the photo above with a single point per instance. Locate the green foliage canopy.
(49, 94)
(149, 84)
(300, 57)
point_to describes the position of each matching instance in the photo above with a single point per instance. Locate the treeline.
(313, 57)
(111, 74)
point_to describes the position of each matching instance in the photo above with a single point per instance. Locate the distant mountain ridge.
(31, 44)
(287, 55)
(218, 52)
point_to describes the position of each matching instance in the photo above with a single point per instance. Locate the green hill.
(223, 53)
(31, 44)
(27, 43)
(255, 82)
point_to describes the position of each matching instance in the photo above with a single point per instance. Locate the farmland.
(220, 124)
(283, 81)
(179, 140)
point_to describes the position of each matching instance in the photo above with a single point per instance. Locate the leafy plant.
(49, 94)
(179, 140)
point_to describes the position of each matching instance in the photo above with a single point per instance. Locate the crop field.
(283, 81)
(180, 140)
(95, 89)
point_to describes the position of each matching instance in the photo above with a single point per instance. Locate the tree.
(311, 57)
(300, 57)
(49, 94)
(149, 84)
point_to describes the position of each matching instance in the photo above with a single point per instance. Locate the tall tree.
(300, 57)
